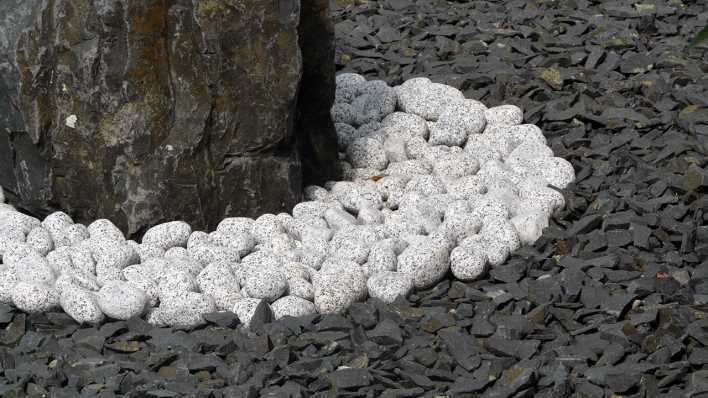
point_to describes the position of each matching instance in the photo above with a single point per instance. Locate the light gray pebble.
(265, 227)
(75, 233)
(9, 236)
(425, 261)
(34, 268)
(185, 263)
(529, 226)
(455, 165)
(346, 134)
(382, 257)
(389, 285)
(507, 115)
(146, 251)
(15, 251)
(185, 309)
(103, 228)
(245, 308)
(481, 151)
(350, 249)
(34, 297)
(301, 288)
(343, 112)
(292, 306)
(60, 259)
(176, 280)
(81, 305)
(56, 223)
(176, 252)
(369, 215)
(150, 288)
(467, 264)
(210, 253)
(113, 253)
(496, 251)
(426, 185)
(412, 123)
(338, 286)
(409, 168)
(314, 192)
(41, 240)
(526, 152)
(490, 206)
(168, 235)
(377, 101)
(8, 280)
(369, 129)
(236, 225)
(423, 98)
(367, 152)
(338, 218)
(15, 219)
(242, 242)
(349, 86)
(122, 301)
(467, 187)
(395, 148)
(105, 274)
(295, 269)
(266, 282)
(456, 121)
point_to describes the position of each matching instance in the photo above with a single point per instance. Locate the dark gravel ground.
(611, 301)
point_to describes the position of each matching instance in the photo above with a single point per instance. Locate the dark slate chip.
(6, 314)
(225, 319)
(386, 332)
(363, 314)
(350, 378)
(463, 348)
(521, 349)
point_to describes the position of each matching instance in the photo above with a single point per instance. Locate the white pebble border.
(435, 183)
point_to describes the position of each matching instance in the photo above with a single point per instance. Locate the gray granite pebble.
(292, 306)
(425, 261)
(81, 305)
(120, 300)
(35, 297)
(388, 285)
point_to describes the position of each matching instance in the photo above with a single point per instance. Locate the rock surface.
(118, 107)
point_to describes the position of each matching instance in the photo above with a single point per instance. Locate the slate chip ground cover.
(611, 300)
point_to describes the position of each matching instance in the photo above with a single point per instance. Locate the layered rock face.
(141, 111)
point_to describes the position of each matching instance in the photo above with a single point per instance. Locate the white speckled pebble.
(185, 309)
(35, 297)
(245, 309)
(81, 305)
(292, 306)
(426, 261)
(507, 115)
(338, 286)
(168, 235)
(16, 220)
(266, 282)
(467, 264)
(103, 228)
(367, 153)
(388, 285)
(40, 239)
(75, 233)
(120, 300)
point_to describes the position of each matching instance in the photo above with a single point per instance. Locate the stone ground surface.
(613, 299)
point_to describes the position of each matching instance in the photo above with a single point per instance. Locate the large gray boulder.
(145, 111)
